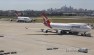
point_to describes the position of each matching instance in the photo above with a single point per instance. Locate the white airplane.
(22, 19)
(66, 28)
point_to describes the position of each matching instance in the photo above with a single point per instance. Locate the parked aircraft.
(65, 28)
(22, 19)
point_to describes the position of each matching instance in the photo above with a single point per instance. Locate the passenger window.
(75, 26)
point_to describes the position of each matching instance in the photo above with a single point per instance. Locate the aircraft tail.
(46, 21)
(17, 13)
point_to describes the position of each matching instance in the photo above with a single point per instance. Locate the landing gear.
(46, 31)
(61, 32)
(86, 34)
(69, 32)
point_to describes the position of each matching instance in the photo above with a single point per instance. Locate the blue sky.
(44, 4)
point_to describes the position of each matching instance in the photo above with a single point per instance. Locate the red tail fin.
(46, 20)
(17, 13)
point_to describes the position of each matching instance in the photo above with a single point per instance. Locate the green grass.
(69, 20)
(60, 19)
(63, 20)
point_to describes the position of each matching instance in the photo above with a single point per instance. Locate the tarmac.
(27, 39)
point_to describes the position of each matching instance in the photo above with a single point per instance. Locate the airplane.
(21, 18)
(65, 28)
